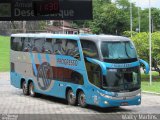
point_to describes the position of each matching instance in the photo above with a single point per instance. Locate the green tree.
(144, 20)
(156, 19)
(155, 14)
(107, 19)
(141, 41)
(114, 18)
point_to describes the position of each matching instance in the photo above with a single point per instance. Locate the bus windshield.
(117, 80)
(118, 50)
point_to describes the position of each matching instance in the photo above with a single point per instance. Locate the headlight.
(139, 94)
(106, 102)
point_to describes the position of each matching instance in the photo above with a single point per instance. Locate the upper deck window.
(16, 44)
(46, 45)
(89, 49)
(66, 47)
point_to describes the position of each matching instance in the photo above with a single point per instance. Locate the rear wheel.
(25, 88)
(31, 90)
(82, 99)
(71, 97)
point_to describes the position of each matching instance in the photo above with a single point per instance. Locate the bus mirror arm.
(85, 58)
(146, 65)
(103, 67)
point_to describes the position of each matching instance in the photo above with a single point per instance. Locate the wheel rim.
(82, 99)
(31, 89)
(24, 88)
(70, 97)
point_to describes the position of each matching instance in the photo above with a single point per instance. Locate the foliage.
(128, 33)
(156, 19)
(107, 19)
(146, 77)
(4, 52)
(141, 41)
(114, 18)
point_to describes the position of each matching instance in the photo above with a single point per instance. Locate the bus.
(100, 70)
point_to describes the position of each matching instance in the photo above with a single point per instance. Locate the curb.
(151, 93)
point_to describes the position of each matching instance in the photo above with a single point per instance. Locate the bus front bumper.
(107, 102)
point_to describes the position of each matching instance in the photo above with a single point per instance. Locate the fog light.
(139, 100)
(106, 102)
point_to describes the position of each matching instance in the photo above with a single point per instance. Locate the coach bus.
(100, 70)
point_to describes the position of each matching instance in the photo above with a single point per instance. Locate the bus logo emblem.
(44, 76)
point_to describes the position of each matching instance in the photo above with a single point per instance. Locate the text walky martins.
(139, 117)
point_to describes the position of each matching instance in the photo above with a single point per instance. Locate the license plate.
(124, 103)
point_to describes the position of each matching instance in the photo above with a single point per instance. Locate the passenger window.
(67, 75)
(27, 45)
(94, 73)
(89, 49)
(58, 47)
(66, 47)
(16, 43)
(71, 49)
(37, 44)
(47, 46)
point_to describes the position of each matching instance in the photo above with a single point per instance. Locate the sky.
(145, 3)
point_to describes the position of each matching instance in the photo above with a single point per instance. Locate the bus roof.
(90, 37)
(104, 38)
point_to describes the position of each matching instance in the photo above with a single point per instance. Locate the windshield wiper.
(126, 51)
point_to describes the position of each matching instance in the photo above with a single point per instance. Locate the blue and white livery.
(101, 70)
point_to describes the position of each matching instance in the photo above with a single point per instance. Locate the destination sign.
(45, 10)
(46, 7)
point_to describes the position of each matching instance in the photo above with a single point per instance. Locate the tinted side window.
(94, 74)
(62, 74)
(16, 43)
(47, 46)
(67, 75)
(27, 45)
(37, 44)
(89, 49)
(33, 44)
(66, 47)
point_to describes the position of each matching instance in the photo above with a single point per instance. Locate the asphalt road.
(12, 101)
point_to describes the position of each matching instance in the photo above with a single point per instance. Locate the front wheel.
(31, 90)
(82, 99)
(71, 98)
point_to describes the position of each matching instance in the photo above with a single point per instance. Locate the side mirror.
(146, 65)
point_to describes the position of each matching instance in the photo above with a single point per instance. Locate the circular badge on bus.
(45, 74)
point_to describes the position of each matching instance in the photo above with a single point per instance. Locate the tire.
(82, 99)
(71, 99)
(25, 88)
(31, 90)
